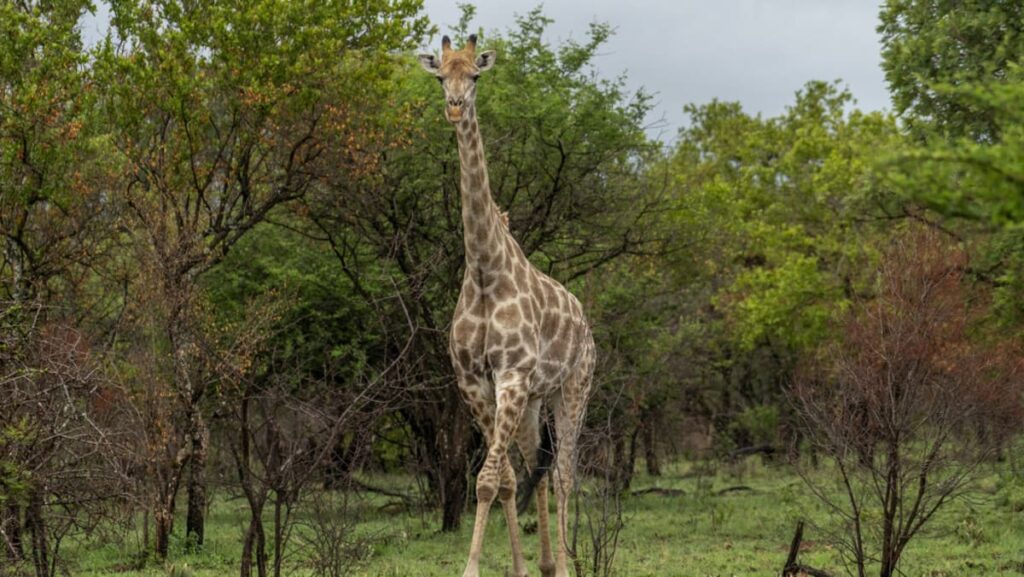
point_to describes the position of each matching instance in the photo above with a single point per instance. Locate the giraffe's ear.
(429, 63)
(485, 60)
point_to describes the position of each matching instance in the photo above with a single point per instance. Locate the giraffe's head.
(458, 70)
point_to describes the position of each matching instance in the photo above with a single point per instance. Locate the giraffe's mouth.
(454, 113)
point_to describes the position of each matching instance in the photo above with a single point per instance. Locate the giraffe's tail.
(545, 456)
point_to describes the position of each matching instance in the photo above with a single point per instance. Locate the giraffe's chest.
(508, 324)
(494, 326)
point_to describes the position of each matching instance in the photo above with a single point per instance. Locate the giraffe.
(519, 341)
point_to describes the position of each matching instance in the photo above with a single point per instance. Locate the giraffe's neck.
(482, 232)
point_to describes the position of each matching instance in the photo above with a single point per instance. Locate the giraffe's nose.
(455, 107)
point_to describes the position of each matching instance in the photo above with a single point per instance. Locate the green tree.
(49, 164)
(929, 46)
(977, 188)
(51, 227)
(954, 70)
(221, 111)
(782, 211)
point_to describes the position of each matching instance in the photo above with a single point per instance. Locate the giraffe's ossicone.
(519, 340)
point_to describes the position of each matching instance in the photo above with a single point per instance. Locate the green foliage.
(930, 46)
(963, 178)
(221, 111)
(979, 184)
(15, 476)
(182, 570)
(780, 200)
(791, 299)
(47, 148)
(321, 321)
(757, 425)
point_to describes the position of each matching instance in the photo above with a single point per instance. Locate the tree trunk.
(891, 505)
(444, 441)
(35, 520)
(454, 488)
(255, 541)
(650, 451)
(195, 522)
(453, 442)
(178, 290)
(624, 460)
(10, 528)
(163, 521)
(163, 509)
(278, 535)
(255, 537)
(245, 563)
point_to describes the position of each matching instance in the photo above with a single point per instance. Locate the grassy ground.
(696, 533)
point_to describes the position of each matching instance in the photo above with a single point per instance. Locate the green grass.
(699, 533)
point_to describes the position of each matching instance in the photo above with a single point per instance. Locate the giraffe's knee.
(506, 492)
(486, 490)
(487, 484)
(507, 483)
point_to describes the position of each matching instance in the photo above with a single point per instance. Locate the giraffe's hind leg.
(569, 409)
(528, 440)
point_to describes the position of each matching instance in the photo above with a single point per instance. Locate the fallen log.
(766, 450)
(734, 489)
(659, 491)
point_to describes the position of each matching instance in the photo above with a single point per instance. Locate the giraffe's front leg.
(496, 478)
(478, 394)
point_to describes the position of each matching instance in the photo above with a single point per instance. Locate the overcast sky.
(757, 52)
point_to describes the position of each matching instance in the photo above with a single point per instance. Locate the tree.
(295, 358)
(778, 215)
(976, 189)
(929, 46)
(219, 113)
(52, 228)
(64, 442)
(47, 206)
(908, 402)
